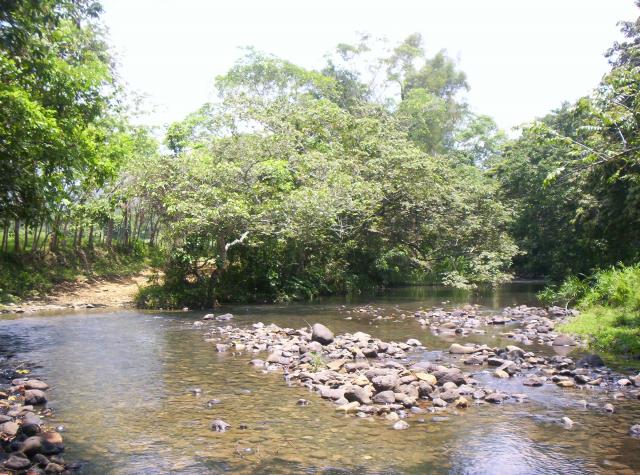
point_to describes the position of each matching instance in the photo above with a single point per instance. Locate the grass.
(609, 304)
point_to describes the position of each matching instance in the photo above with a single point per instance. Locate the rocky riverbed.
(367, 377)
(29, 444)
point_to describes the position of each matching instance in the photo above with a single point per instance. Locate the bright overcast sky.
(522, 58)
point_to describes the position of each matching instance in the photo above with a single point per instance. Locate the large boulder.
(321, 334)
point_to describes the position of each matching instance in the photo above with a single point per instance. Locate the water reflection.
(122, 380)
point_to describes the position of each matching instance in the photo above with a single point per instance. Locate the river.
(121, 388)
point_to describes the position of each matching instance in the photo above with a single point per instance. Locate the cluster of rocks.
(536, 324)
(588, 371)
(27, 444)
(361, 374)
(372, 313)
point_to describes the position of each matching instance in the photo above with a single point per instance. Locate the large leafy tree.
(56, 85)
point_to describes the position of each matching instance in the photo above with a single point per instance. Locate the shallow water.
(121, 379)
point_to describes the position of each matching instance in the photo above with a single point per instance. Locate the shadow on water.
(121, 385)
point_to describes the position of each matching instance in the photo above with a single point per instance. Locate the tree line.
(370, 171)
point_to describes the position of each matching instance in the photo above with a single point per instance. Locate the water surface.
(121, 385)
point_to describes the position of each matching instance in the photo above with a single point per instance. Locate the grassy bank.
(609, 304)
(33, 275)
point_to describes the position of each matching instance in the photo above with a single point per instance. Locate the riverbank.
(86, 293)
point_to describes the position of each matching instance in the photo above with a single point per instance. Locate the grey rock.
(321, 334)
(564, 340)
(219, 425)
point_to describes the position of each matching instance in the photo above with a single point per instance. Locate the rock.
(533, 381)
(349, 407)
(385, 382)
(221, 348)
(54, 468)
(624, 382)
(429, 378)
(563, 340)
(36, 384)
(457, 349)
(321, 334)
(224, 317)
(384, 397)
(501, 374)
(566, 422)
(496, 398)
(461, 402)
(356, 393)
(34, 397)
(17, 462)
(474, 360)
(9, 428)
(213, 402)
(591, 361)
(219, 425)
(392, 416)
(400, 425)
(302, 402)
(635, 430)
(609, 408)
(208, 316)
(413, 342)
(48, 443)
(330, 393)
(258, 363)
(566, 383)
(40, 460)
(279, 359)
(335, 365)
(437, 402)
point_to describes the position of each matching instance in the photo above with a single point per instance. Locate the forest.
(370, 172)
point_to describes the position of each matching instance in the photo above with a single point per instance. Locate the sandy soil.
(86, 293)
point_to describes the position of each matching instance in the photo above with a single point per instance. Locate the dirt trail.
(86, 293)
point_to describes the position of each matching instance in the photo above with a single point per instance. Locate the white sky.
(522, 57)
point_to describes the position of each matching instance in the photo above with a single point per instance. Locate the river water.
(121, 383)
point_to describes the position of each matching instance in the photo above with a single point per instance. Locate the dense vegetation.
(609, 302)
(371, 171)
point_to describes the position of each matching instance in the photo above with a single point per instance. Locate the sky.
(522, 58)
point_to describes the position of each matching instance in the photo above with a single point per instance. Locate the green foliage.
(574, 176)
(283, 191)
(610, 308)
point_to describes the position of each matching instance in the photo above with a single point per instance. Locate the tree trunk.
(16, 232)
(36, 238)
(90, 243)
(25, 244)
(109, 233)
(5, 235)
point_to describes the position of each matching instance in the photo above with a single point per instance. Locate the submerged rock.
(219, 425)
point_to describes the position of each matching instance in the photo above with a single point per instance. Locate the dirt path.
(86, 293)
